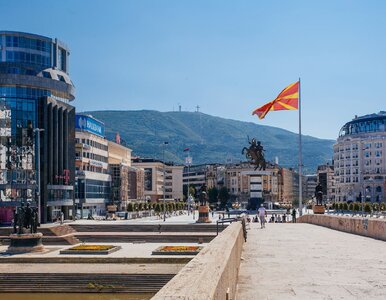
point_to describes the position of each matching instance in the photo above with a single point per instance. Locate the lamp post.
(37, 133)
(165, 143)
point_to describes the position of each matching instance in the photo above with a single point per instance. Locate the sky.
(227, 57)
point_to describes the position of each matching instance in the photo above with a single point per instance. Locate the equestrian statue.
(255, 154)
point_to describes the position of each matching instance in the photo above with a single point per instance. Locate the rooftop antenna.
(179, 107)
(197, 108)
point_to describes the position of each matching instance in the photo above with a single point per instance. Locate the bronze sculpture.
(25, 217)
(203, 195)
(319, 194)
(255, 153)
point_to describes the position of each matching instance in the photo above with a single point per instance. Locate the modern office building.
(327, 181)
(35, 107)
(360, 159)
(93, 181)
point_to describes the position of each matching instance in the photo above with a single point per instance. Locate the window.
(46, 74)
(61, 78)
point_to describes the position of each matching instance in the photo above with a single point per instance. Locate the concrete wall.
(374, 228)
(212, 272)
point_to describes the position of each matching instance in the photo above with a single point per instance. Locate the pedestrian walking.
(294, 215)
(262, 214)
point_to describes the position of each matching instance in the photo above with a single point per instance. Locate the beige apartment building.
(360, 159)
(154, 180)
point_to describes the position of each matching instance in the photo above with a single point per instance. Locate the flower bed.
(177, 250)
(91, 249)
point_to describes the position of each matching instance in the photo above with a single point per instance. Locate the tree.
(368, 207)
(130, 207)
(192, 191)
(223, 195)
(213, 195)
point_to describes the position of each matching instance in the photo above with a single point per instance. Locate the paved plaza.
(175, 219)
(303, 261)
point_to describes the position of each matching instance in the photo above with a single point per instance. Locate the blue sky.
(228, 57)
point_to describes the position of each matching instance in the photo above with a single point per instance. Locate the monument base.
(203, 214)
(26, 242)
(318, 209)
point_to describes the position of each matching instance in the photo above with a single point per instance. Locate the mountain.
(210, 139)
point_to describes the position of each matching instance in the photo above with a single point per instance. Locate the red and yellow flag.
(288, 99)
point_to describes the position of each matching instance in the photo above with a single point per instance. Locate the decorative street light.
(37, 131)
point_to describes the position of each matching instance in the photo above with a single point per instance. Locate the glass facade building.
(35, 96)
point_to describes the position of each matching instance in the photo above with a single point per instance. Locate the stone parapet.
(374, 228)
(213, 273)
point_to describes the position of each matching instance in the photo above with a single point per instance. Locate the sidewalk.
(303, 261)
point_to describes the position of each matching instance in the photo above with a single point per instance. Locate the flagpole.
(300, 153)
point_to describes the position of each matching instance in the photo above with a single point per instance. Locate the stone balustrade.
(213, 273)
(374, 228)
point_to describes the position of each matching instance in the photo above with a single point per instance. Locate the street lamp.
(37, 134)
(165, 143)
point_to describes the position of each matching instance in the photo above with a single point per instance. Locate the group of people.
(275, 218)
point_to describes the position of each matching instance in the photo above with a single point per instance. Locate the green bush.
(356, 206)
(375, 207)
(130, 207)
(157, 207)
(345, 206)
(382, 206)
(351, 206)
(140, 206)
(368, 207)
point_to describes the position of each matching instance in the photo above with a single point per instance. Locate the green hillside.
(210, 139)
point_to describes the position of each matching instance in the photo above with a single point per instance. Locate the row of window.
(362, 127)
(21, 71)
(92, 144)
(23, 92)
(90, 188)
(29, 58)
(93, 156)
(354, 147)
(24, 42)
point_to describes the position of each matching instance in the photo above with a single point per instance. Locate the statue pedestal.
(318, 209)
(203, 214)
(26, 242)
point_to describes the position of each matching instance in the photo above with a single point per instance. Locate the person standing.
(262, 214)
(61, 217)
(294, 215)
